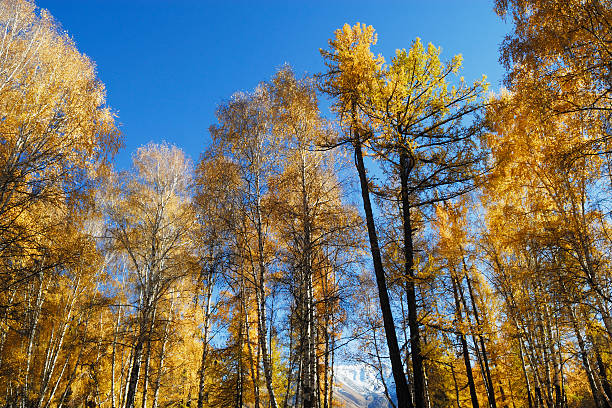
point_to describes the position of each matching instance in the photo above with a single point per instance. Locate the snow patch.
(359, 378)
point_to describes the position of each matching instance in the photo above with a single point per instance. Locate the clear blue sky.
(168, 64)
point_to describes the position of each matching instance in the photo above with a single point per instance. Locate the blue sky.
(168, 64)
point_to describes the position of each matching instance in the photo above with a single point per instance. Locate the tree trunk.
(309, 358)
(473, 335)
(57, 383)
(290, 364)
(162, 357)
(77, 364)
(253, 358)
(490, 389)
(456, 386)
(330, 404)
(601, 369)
(418, 372)
(134, 373)
(602, 375)
(203, 361)
(124, 387)
(145, 377)
(32, 335)
(240, 348)
(403, 395)
(4, 334)
(326, 361)
(464, 347)
(525, 376)
(55, 347)
(114, 357)
(585, 360)
(260, 293)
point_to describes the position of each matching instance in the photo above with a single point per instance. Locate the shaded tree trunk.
(464, 348)
(134, 373)
(485, 358)
(32, 329)
(162, 356)
(585, 360)
(114, 357)
(260, 294)
(418, 372)
(203, 361)
(403, 396)
(525, 376)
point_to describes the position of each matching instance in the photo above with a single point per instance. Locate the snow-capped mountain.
(358, 386)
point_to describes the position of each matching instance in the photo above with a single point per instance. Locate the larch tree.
(561, 50)
(419, 126)
(352, 69)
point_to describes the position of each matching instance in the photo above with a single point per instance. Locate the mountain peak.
(359, 386)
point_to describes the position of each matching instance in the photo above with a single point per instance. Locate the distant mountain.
(357, 386)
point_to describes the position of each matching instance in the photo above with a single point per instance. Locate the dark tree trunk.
(203, 361)
(135, 371)
(260, 297)
(603, 376)
(464, 348)
(418, 372)
(401, 386)
(585, 361)
(485, 358)
(527, 382)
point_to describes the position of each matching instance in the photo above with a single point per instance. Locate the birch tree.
(150, 218)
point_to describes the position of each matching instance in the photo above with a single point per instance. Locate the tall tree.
(352, 69)
(318, 231)
(55, 132)
(150, 218)
(244, 135)
(418, 128)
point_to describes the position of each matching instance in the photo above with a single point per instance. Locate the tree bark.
(145, 377)
(464, 347)
(134, 373)
(253, 358)
(585, 361)
(418, 371)
(34, 321)
(162, 357)
(114, 357)
(260, 293)
(490, 389)
(525, 376)
(403, 395)
(202, 371)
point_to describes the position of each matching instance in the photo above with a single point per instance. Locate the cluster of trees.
(471, 256)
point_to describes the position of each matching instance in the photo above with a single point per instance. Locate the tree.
(351, 70)
(150, 219)
(55, 127)
(317, 231)
(244, 135)
(558, 62)
(413, 121)
(562, 49)
(215, 184)
(56, 133)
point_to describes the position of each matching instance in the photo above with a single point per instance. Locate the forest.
(453, 238)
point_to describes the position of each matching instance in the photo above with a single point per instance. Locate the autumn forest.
(452, 238)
